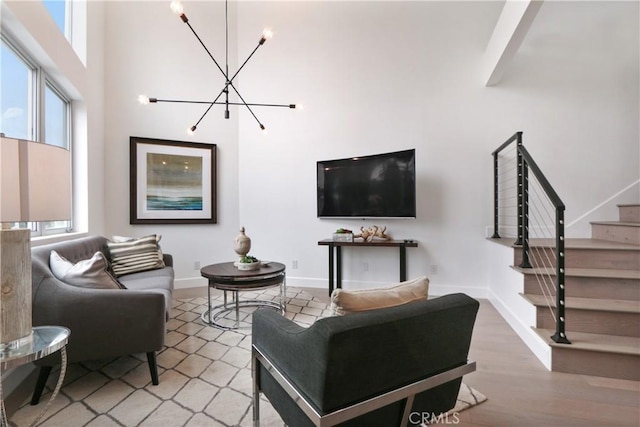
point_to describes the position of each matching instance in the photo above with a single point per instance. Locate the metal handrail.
(526, 163)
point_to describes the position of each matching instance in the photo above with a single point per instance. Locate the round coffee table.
(227, 278)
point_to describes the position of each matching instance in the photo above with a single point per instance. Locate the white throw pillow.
(88, 273)
(351, 301)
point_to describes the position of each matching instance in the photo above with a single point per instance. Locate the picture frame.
(172, 182)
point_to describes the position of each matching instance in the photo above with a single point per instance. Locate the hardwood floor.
(520, 390)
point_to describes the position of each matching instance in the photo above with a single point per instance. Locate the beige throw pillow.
(136, 255)
(88, 273)
(346, 301)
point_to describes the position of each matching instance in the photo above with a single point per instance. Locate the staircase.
(602, 279)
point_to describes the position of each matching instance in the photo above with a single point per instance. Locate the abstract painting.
(172, 182)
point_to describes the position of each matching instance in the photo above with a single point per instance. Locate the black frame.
(135, 218)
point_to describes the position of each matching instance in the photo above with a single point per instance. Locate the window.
(17, 82)
(55, 117)
(32, 108)
(58, 9)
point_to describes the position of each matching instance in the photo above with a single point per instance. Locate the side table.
(46, 340)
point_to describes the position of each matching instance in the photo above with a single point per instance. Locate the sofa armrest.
(93, 315)
(168, 260)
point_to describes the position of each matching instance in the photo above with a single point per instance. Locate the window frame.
(38, 82)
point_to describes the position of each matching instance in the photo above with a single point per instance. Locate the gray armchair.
(385, 367)
(104, 323)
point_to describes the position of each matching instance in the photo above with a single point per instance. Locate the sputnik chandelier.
(176, 7)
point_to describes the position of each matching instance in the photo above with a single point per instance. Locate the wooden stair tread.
(572, 243)
(594, 304)
(583, 272)
(594, 342)
(614, 223)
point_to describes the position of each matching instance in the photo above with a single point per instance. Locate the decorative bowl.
(248, 266)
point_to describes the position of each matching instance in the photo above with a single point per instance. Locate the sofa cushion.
(89, 273)
(133, 256)
(351, 301)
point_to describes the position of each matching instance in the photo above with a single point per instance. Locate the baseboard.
(536, 344)
(305, 282)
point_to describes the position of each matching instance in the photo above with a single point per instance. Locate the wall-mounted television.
(373, 186)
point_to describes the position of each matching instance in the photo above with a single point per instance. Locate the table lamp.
(35, 185)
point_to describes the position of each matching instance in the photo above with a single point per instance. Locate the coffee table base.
(214, 315)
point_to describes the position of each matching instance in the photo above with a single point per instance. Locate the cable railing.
(528, 208)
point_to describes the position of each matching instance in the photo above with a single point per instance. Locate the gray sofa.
(104, 323)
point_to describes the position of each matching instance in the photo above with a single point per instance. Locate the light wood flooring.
(520, 390)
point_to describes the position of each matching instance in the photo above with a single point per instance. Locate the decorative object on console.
(370, 233)
(242, 244)
(172, 182)
(35, 185)
(343, 235)
(353, 301)
(176, 7)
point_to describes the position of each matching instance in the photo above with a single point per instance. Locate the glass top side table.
(45, 340)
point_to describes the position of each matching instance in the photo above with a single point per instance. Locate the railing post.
(560, 336)
(523, 205)
(519, 166)
(496, 235)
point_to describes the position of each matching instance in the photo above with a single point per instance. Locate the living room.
(373, 77)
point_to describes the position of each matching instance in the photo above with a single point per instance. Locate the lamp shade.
(35, 181)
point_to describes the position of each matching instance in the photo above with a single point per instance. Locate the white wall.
(150, 51)
(375, 77)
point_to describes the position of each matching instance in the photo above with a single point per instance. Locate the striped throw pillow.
(135, 255)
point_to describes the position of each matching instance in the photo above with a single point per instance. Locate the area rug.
(205, 377)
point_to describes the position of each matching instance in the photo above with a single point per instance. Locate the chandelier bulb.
(143, 99)
(299, 106)
(191, 130)
(176, 7)
(267, 34)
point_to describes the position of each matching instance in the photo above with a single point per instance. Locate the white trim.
(536, 344)
(609, 200)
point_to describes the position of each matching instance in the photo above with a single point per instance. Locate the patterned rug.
(205, 377)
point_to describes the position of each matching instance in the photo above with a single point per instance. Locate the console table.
(401, 244)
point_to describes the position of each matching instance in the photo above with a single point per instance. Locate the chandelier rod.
(177, 8)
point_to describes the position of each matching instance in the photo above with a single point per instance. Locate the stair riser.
(629, 213)
(588, 287)
(595, 322)
(616, 233)
(584, 258)
(610, 365)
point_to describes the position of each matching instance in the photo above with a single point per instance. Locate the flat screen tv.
(376, 186)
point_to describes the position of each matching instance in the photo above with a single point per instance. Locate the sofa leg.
(42, 381)
(153, 367)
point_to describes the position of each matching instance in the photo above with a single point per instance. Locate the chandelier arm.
(245, 62)
(215, 101)
(207, 50)
(245, 104)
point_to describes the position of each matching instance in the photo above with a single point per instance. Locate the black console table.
(401, 244)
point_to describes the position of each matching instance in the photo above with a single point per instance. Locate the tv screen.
(377, 186)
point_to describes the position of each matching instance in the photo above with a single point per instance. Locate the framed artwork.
(172, 182)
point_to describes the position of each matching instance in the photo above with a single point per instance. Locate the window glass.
(58, 10)
(16, 87)
(55, 118)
